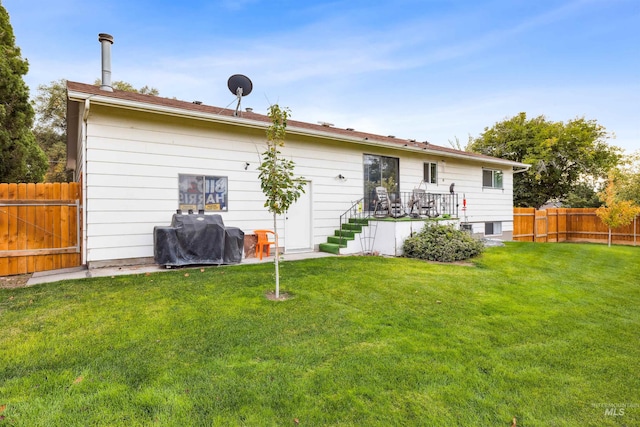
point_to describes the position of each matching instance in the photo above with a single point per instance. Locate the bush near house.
(442, 243)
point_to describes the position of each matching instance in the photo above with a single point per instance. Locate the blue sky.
(425, 69)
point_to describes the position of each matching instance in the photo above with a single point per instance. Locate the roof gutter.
(424, 150)
(171, 111)
(524, 168)
(179, 112)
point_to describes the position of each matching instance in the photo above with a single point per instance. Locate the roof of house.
(81, 92)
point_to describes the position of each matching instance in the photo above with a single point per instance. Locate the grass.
(547, 333)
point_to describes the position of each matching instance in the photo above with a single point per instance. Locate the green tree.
(128, 87)
(51, 123)
(628, 176)
(21, 159)
(560, 154)
(582, 195)
(616, 212)
(51, 128)
(277, 180)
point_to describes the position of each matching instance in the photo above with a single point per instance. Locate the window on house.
(202, 192)
(492, 228)
(381, 171)
(430, 174)
(492, 178)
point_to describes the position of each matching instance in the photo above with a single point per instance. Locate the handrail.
(356, 209)
(417, 204)
(438, 204)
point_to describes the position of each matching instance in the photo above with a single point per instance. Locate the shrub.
(442, 243)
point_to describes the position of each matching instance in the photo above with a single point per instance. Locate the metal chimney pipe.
(106, 40)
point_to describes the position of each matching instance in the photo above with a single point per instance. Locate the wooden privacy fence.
(569, 225)
(39, 227)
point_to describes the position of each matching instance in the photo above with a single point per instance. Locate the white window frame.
(430, 172)
(496, 228)
(497, 178)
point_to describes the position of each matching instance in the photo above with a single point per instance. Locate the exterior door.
(380, 171)
(298, 223)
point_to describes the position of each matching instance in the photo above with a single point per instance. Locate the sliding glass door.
(380, 171)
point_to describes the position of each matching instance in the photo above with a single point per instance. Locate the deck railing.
(403, 204)
(414, 204)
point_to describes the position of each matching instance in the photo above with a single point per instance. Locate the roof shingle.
(329, 130)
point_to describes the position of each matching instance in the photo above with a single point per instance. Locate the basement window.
(492, 228)
(203, 193)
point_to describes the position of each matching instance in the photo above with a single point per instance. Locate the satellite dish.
(239, 85)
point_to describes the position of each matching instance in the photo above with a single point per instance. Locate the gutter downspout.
(515, 171)
(524, 169)
(85, 127)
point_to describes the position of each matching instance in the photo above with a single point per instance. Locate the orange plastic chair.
(263, 242)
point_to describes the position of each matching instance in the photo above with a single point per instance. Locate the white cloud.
(426, 75)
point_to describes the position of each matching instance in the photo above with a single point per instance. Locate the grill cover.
(197, 239)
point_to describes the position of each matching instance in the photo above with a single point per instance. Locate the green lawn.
(547, 333)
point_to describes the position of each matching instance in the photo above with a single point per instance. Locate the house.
(141, 157)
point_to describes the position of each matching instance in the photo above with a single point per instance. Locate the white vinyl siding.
(492, 178)
(430, 173)
(492, 228)
(134, 160)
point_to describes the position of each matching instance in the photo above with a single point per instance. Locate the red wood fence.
(39, 227)
(569, 225)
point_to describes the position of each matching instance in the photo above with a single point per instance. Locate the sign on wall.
(202, 192)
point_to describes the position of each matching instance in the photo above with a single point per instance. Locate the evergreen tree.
(21, 159)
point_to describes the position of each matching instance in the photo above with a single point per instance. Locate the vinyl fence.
(569, 225)
(39, 227)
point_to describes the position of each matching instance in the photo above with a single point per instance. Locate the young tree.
(561, 154)
(615, 212)
(277, 180)
(21, 160)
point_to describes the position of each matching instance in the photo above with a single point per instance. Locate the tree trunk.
(609, 237)
(277, 257)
